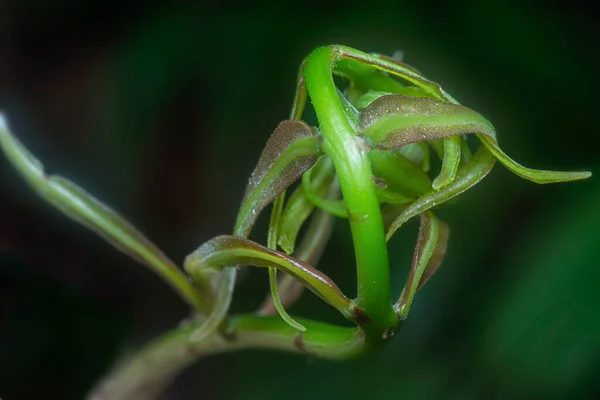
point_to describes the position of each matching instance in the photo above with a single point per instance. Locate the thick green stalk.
(350, 156)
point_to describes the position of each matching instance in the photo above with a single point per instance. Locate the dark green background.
(162, 111)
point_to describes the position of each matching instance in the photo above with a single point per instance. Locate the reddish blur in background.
(161, 111)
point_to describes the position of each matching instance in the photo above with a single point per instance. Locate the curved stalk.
(150, 370)
(350, 158)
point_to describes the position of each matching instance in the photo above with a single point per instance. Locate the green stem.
(148, 372)
(350, 157)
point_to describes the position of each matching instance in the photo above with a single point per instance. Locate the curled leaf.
(289, 152)
(82, 207)
(232, 251)
(423, 259)
(395, 120)
(471, 173)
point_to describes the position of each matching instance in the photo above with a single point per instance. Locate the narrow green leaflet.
(534, 175)
(439, 252)
(273, 285)
(309, 251)
(299, 207)
(301, 95)
(471, 173)
(350, 112)
(233, 251)
(82, 207)
(291, 150)
(272, 244)
(220, 309)
(427, 246)
(450, 162)
(335, 207)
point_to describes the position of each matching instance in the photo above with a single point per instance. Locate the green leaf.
(233, 251)
(351, 58)
(471, 173)
(395, 121)
(272, 244)
(309, 251)
(82, 207)
(221, 306)
(299, 207)
(364, 77)
(273, 284)
(291, 150)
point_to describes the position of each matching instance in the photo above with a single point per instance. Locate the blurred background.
(161, 111)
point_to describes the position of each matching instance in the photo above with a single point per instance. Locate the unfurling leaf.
(82, 207)
(233, 251)
(291, 150)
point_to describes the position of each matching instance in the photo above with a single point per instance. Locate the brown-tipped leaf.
(233, 251)
(289, 152)
(426, 247)
(438, 254)
(395, 120)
